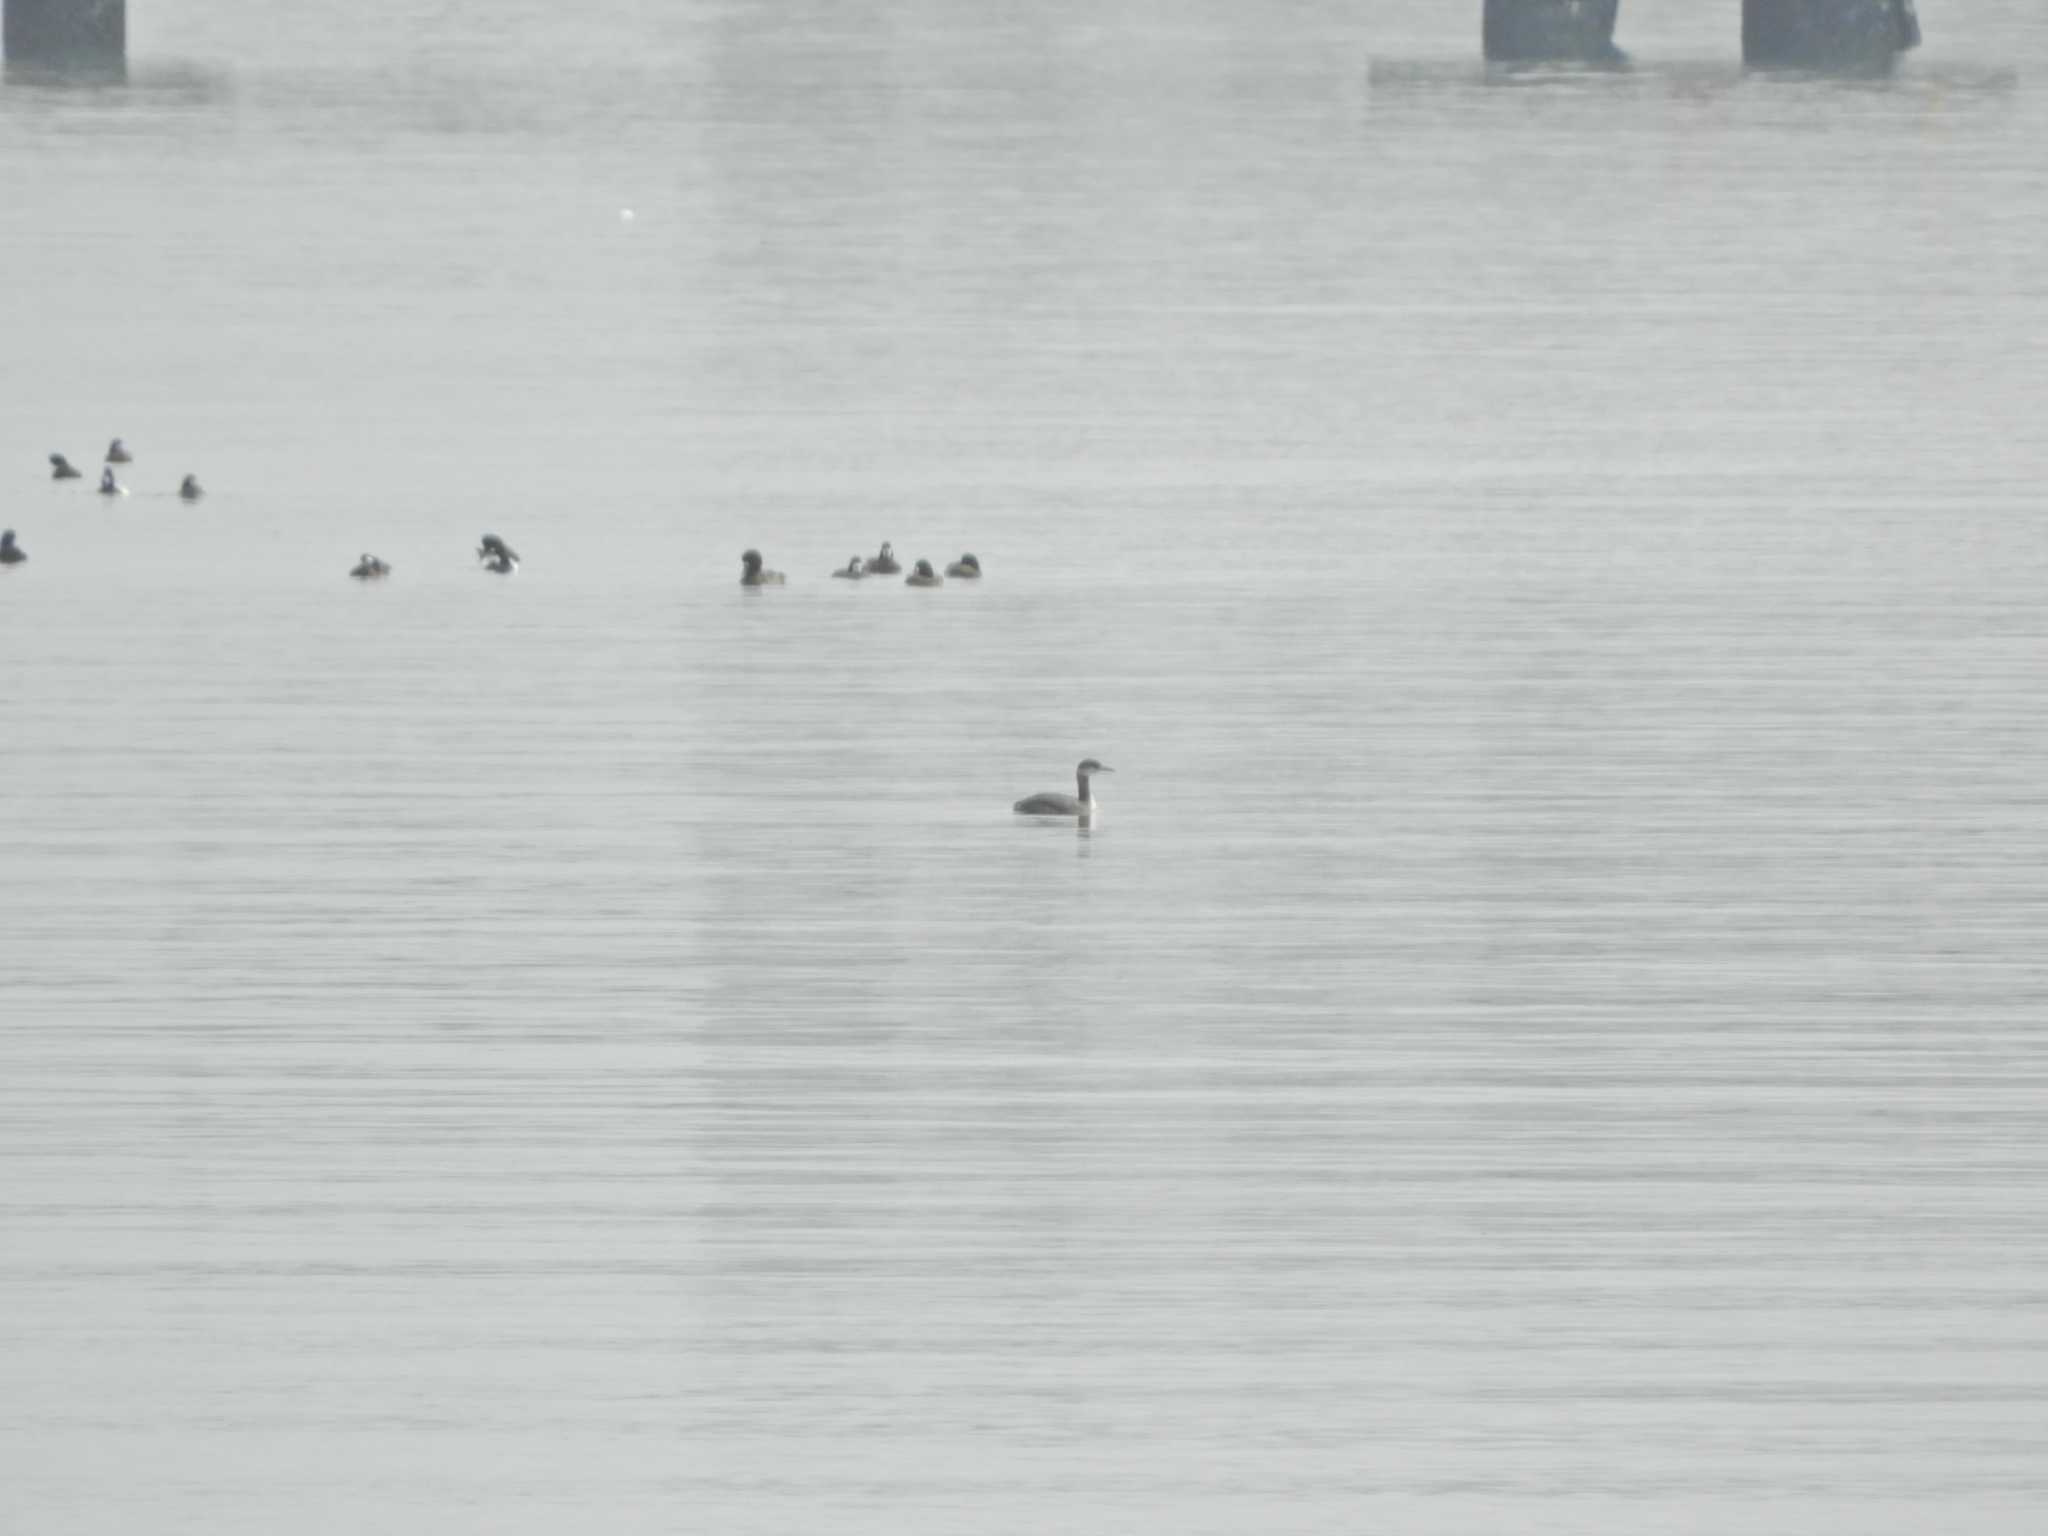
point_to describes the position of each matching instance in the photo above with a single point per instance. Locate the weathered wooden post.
(1828, 34)
(1550, 31)
(67, 34)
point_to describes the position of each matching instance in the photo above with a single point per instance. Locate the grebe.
(62, 468)
(494, 548)
(190, 489)
(853, 572)
(966, 567)
(370, 568)
(924, 576)
(884, 564)
(118, 454)
(109, 486)
(1066, 805)
(11, 553)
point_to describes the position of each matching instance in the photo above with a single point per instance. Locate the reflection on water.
(1545, 1035)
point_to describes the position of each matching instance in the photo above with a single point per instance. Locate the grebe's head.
(751, 560)
(924, 568)
(888, 550)
(970, 562)
(1089, 767)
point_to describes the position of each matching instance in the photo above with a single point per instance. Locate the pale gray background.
(1546, 1037)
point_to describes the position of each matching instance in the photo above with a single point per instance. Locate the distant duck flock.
(61, 468)
(500, 559)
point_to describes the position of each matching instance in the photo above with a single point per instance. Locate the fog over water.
(1546, 1034)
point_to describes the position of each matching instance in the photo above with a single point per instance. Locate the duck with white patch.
(754, 574)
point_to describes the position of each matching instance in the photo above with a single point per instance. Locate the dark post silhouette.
(1828, 34)
(67, 34)
(1550, 31)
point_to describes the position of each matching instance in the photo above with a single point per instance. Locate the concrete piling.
(1827, 34)
(66, 34)
(1550, 31)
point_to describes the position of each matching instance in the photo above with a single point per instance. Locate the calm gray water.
(1546, 1036)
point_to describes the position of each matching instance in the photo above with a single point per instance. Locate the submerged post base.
(1550, 31)
(1828, 34)
(67, 34)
